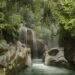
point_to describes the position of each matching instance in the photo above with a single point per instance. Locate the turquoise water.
(41, 69)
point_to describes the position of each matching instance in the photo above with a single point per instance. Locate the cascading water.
(35, 52)
(38, 68)
(23, 34)
(27, 36)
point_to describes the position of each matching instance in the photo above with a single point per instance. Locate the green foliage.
(2, 3)
(1, 17)
(15, 19)
(63, 10)
(38, 14)
(10, 19)
(43, 32)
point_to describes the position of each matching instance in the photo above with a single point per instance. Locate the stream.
(38, 68)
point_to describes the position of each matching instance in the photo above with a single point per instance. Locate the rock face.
(15, 58)
(55, 57)
(41, 47)
(70, 55)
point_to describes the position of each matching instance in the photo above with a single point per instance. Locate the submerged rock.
(55, 57)
(15, 58)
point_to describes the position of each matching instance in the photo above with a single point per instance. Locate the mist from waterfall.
(54, 40)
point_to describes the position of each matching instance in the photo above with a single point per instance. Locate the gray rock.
(55, 57)
(41, 47)
(15, 58)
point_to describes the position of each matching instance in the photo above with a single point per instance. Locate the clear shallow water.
(41, 69)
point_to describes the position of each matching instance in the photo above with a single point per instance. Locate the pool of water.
(41, 69)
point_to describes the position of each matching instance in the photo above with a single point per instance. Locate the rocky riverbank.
(14, 57)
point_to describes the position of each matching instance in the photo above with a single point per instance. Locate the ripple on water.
(41, 69)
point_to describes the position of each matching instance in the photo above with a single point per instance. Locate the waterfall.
(23, 34)
(27, 36)
(35, 52)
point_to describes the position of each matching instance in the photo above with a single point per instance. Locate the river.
(38, 68)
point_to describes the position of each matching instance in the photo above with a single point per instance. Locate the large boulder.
(55, 57)
(15, 58)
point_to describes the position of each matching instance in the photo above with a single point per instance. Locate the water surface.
(41, 69)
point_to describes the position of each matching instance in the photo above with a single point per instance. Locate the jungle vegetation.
(40, 15)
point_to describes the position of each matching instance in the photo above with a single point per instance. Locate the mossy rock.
(3, 47)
